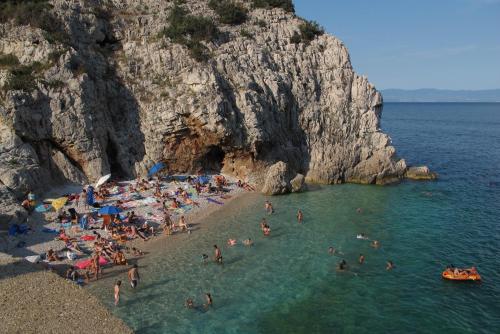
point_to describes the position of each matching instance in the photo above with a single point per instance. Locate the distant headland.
(440, 95)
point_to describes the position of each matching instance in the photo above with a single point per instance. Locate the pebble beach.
(53, 296)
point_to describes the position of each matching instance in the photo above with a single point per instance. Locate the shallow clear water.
(287, 283)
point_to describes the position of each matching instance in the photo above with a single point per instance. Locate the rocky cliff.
(103, 88)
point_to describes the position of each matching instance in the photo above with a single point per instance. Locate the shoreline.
(58, 293)
(163, 242)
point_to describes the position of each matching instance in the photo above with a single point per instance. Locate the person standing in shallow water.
(217, 254)
(133, 276)
(300, 216)
(361, 259)
(117, 292)
(209, 299)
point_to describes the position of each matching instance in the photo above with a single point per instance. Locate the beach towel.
(33, 258)
(15, 229)
(148, 200)
(214, 201)
(43, 208)
(59, 203)
(49, 230)
(84, 264)
(87, 237)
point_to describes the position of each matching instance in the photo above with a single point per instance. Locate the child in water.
(117, 292)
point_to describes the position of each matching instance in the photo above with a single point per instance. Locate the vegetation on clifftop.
(287, 5)
(307, 32)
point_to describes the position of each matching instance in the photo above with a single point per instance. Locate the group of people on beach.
(101, 239)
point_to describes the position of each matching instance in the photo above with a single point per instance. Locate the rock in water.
(420, 173)
(109, 94)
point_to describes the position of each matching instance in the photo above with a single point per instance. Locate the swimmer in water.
(390, 265)
(271, 209)
(331, 250)
(362, 236)
(359, 210)
(231, 242)
(248, 242)
(204, 258)
(267, 206)
(361, 259)
(189, 303)
(375, 244)
(209, 299)
(263, 223)
(300, 216)
(342, 265)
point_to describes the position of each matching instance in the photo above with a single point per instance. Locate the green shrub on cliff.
(8, 60)
(37, 14)
(307, 32)
(287, 5)
(191, 31)
(21, 78)
(228, 11)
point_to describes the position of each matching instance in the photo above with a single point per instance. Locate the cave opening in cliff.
(115, 167)
(212, 161)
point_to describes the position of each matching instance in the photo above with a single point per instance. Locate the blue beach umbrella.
(109, 210)
(156, 168)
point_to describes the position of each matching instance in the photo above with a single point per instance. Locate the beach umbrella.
(156, 168)
(58, 203)
(102, 180)
(109, 210)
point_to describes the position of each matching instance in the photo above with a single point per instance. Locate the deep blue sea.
(288, 282)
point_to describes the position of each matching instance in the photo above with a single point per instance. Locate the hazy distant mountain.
(440, 95)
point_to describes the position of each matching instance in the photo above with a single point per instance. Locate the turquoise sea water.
(287, 283)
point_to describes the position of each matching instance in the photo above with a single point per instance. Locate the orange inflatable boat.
(462, 274)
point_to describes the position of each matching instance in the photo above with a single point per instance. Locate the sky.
(446, 44)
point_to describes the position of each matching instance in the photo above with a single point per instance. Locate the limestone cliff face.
(117, 98)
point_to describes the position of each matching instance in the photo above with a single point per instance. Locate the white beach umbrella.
(102, 180)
